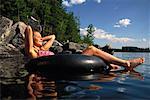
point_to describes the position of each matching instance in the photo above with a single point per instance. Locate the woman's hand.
(48, 37)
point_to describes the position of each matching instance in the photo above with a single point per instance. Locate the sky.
(116, 22)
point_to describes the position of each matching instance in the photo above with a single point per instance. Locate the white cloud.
(77, 1)
(123, 23)
(66, 3)
(69, 3)
(116, 25)
(98, 1)
(102, 34)
(144, 40)
(83, 31)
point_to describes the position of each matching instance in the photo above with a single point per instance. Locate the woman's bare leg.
(114, 67)
(135, 62)
(91, 50)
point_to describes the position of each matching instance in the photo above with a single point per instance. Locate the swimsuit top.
(44, 53)
(41, 53)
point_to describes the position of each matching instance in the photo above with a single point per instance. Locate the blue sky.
(117, 22)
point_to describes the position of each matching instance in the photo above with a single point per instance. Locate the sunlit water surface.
(120, 85)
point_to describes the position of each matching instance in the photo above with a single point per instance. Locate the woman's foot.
(134, 63)
(114, 67)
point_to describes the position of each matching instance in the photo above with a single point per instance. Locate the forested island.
(131, 49)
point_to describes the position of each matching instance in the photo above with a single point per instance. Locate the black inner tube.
(67, 66)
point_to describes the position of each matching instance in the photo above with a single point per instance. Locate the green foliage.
(72, 30)
(90, 36)
(51, 14)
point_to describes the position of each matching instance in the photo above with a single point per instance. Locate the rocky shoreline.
(12, 59)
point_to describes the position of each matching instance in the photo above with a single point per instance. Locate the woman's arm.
(49, 43)
(29, 42)
(48, 37)
(28, 38)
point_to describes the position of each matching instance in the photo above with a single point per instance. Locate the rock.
(108, 49)
(11, 38)
(5, 28)
(78, 51)
(10, 67)
(74, 47)
(71, 46)
(17, 35)
(12, 34)
(8, 50)
(56, 49)
(83, 46)
(56, 43)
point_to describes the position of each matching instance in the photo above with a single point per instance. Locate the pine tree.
(90, 36)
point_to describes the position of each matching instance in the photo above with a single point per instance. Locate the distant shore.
(131, 49)
(134, 51)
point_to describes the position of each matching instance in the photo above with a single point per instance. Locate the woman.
(35, 48)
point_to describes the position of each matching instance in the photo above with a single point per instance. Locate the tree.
(71, 31)
(90, 36)
(51, 14)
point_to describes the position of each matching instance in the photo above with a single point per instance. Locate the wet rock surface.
(12, 59)
(12, 70)
(5, 27)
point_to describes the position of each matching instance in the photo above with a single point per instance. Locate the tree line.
(52, 16)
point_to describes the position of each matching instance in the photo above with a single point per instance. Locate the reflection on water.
(118, 85)
(40, 87)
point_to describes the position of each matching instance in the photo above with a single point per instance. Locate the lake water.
(119, 85)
